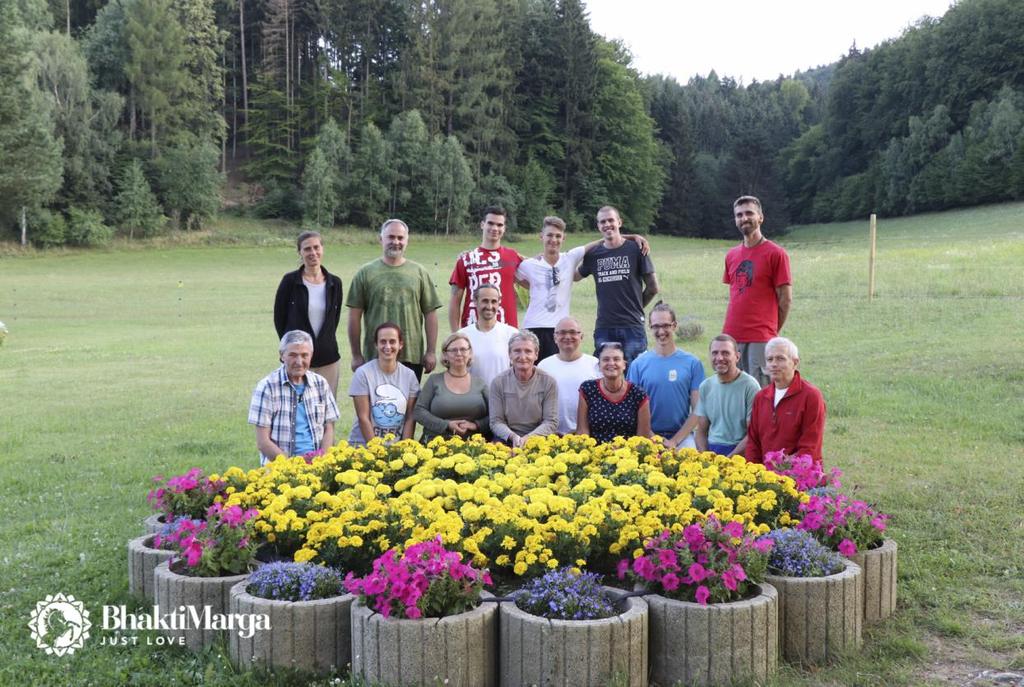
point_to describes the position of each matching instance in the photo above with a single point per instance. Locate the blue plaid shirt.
(274, 402)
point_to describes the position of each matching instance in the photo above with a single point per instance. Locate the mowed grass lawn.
(130, 362)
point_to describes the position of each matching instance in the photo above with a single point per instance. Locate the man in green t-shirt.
(393, 289)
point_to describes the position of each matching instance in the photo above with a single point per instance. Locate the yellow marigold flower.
(520, 568)
(304, 554)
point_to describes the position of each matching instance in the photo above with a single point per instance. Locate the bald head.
(568, 337)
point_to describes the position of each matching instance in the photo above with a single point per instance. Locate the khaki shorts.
(752, 361)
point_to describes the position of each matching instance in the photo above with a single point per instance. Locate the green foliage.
(372, 175)
(319, 196)
(627, 159)
(156, 68)
(538, 189)
(86, 228)
(495, 189)
(202, 90)
(135, 207)
(451, 184)
(50, 229)
(30, 156)
(189, 184)
(85, 119)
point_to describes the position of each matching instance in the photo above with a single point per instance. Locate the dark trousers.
(417, 369)
(548, 347)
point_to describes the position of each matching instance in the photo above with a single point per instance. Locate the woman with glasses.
(611, 406)
(453, 402)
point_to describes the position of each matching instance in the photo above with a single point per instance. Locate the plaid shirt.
(274, 402)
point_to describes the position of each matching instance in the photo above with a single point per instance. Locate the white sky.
(750, 39)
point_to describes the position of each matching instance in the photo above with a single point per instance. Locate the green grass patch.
(139, 359)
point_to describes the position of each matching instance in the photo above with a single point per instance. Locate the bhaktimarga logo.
(59, 624)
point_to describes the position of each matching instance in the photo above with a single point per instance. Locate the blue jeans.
(633, 340)
(721, 449)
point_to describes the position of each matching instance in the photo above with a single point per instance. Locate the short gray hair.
(524, 335)
(389, 222)
(783, 342)
(293, 337)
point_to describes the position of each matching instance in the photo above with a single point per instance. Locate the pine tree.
(319, 198)
(30, 157)
(156, 69)
(136, 208)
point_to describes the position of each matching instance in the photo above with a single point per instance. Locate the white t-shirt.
(391, 397)
(569, 377)
(549, 302)
(779, 393)
(490, 350)
(317, 304)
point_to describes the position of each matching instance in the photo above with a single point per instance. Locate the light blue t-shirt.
(727, 407)
(303, 432)
(668, 381)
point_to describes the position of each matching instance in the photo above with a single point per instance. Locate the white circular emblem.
(59, 624)
(673, 375)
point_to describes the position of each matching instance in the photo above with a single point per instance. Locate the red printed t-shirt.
(488, 266)
(753, 274)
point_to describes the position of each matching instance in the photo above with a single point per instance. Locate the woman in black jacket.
(310, 299)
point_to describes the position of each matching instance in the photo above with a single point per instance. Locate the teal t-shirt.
(402, 295)
(727, 407)
(303, 433)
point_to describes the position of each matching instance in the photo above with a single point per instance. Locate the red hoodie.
(795, 426)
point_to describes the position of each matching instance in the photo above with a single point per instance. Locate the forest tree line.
(125, 115)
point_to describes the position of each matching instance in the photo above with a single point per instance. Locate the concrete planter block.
(820, 618)
(313, 636)
(717, 644)
(154, 523)
(142, 560)
(878, 580)
(457, 651)
(174, 590)
(571, 653)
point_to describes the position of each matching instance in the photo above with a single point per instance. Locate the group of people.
(509, 383)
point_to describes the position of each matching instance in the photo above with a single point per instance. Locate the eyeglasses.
(554, 276)
(457, 351)
(663, 326)
(567, 332)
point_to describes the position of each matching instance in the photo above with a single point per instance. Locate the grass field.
(135, 361)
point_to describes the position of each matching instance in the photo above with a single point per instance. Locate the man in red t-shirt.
(760, 289)
(491, 263)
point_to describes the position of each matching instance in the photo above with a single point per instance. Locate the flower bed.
(557, 501)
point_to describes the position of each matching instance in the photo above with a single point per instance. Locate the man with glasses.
(570, 368)
(550, 278)
(487, 335)
(393, 289)
(624, 281)
(671, 377)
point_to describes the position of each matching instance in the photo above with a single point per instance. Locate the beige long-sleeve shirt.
(523, 408)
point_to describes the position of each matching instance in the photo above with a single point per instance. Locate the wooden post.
(871, 258)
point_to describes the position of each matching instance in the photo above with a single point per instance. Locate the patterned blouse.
(609, 419)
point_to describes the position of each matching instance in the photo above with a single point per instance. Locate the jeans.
(721, 449)
(633, 340)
